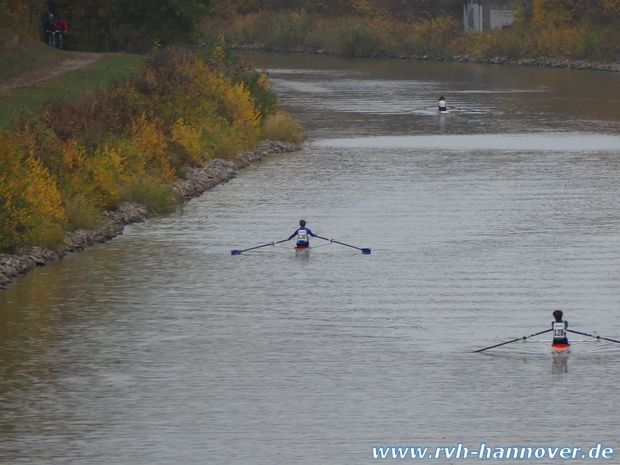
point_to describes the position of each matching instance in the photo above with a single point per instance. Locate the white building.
(485, 15)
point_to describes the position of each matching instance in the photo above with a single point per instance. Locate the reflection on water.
(569, 142)
(160, 347)
(560, 364)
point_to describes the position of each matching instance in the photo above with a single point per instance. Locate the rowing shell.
(302, 249)
(560, 347)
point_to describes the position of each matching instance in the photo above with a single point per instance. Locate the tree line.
(545, 11)
(398, 9)
(110, 25)
(139, 25)
(572, 12)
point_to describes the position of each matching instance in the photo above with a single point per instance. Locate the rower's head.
(558, 315)
(302, 223)
(441, 98)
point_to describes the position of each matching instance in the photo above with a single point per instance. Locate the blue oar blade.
(366, 251)
(235, 252)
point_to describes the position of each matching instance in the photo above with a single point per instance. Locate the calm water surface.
(160, 347)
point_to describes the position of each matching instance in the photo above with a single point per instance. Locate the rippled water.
(161, 347)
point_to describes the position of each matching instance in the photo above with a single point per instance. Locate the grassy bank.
(69, 87)
(62, 165)
(23, 56)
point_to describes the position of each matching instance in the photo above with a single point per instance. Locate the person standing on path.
(61, 28)
(49, 26)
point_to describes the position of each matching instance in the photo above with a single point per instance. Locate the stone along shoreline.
(198, 180)
(562, 63)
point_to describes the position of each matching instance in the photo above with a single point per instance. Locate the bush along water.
(544, 29)
(354, 36)
(63, 165)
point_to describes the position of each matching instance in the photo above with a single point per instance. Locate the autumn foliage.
(134, 26)
(62, 166)
(402, 10)
(433, 29)
(355, 36)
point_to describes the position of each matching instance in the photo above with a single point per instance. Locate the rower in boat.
(559, 343)
(442, 104)
(559, 326)
(302, 233)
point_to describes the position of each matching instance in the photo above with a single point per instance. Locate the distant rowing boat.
(425, 109)
(557, 348)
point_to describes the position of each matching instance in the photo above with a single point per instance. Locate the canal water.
(161, 347)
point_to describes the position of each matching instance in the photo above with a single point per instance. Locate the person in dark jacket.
(302, 233)
(559, 327)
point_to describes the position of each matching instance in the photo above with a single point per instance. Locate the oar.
(593, 336)
(238, 252)
(415, 109)
(514, 340)
(364, 251)
(466, 109)
(574, 343)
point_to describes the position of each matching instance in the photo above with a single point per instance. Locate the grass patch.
(281, 126)
(68, 87)
(153, 194)
(18, 59)
(81, 213)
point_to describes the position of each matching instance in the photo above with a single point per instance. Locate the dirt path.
(77, 60)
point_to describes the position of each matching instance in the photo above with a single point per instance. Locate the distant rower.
(559, 327)
(302, 233)
(442, 104)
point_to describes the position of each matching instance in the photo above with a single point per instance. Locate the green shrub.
(152, 193)
(281, 126)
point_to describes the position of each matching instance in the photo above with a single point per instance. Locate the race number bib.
(302, 236)
(558, 330)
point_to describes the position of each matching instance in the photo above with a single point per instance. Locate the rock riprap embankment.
(198, 181)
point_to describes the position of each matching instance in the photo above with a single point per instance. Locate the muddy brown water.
(161, 347)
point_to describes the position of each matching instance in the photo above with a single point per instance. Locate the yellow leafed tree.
(32, 210)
